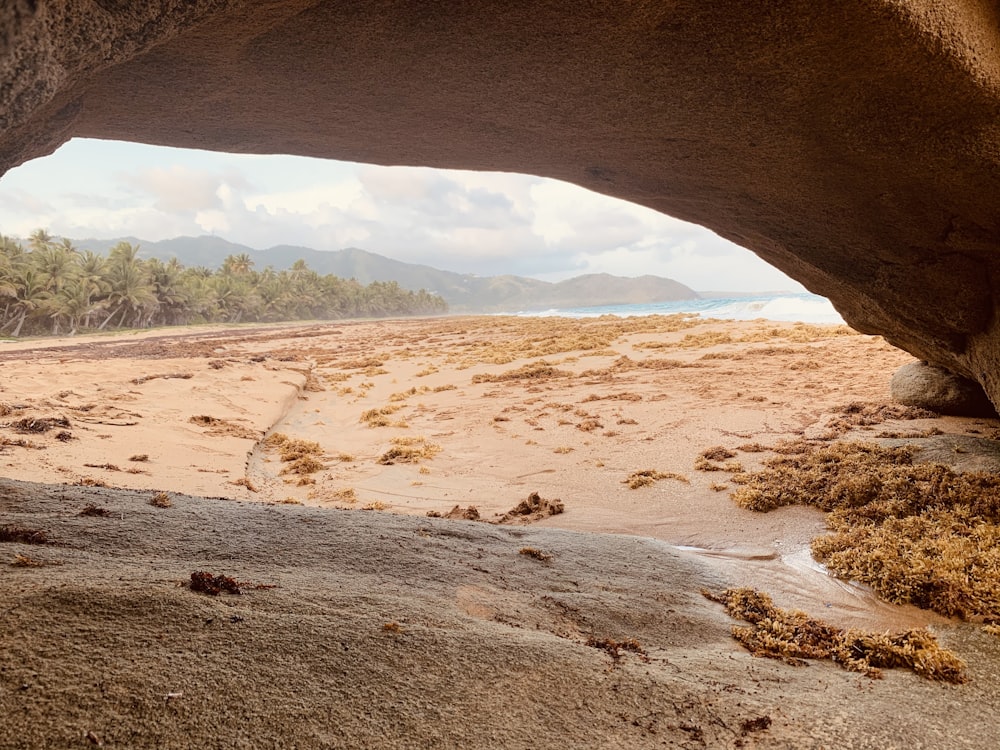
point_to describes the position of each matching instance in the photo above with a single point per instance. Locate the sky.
(487, 223)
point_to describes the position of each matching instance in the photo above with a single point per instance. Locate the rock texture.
(930, 387)
(364, 630)
(852, 144)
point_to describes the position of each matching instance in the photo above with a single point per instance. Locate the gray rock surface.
(368, 630)
(935, 388)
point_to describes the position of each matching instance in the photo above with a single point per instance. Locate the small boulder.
(931, 387)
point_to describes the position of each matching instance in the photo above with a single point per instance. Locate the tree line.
(50, 286)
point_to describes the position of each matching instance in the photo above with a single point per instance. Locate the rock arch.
(853, 144)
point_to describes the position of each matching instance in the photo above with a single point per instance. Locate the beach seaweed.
(23, 535)
(540, 370)
(213, 585)
(917, 533)
(793, 636)
(646, 477)
(409, 450)
(161, 500)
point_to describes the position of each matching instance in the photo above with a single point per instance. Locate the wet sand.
(494, 409)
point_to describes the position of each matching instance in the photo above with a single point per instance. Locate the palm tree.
(39, 239)
(92, 277)
(235, 298)
(172, 295)
(71, 303)
(237, 265)
(57, 264)
(131, 287)
(11, 254)
(31, 295)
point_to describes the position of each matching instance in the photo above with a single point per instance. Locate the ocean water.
(787, 307)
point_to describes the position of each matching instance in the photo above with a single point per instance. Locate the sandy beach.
(328, 461)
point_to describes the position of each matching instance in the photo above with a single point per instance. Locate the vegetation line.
(53, 287)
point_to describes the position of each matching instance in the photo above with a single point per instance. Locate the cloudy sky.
(471, 222)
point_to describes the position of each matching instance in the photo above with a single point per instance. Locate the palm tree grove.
(52, 287)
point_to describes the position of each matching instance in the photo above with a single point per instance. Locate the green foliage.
(52, 287)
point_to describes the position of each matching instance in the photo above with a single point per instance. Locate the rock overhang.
(853, 145)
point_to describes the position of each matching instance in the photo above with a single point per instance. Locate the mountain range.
(462, 292)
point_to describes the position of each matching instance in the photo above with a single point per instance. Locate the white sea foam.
(805, 308)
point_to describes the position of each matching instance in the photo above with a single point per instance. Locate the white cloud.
(176, 188)
(477, 222)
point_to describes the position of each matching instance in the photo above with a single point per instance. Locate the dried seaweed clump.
(26, 561)
(300, 456)
(534, 508)
(409, 450)
(379, 417)
(708, 458)
(647, 477)
(161, 500)
(36, 425)
(206, 583)
(223, 427)
(540, 370)
(458, 513)
(793, 636)
(304, 465)
(537, 554)
(919, 533)
(860, 414)
(23, 535)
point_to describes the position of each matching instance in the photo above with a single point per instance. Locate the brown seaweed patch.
(457, 513)
(917, 533)
(20, 443)
(213, 585)
(304, 465)
(161, 500)
(537, 554)
(26, 561)
(379, 417)
(717, 453)
(361, 364)
(534, 508)
(706, 460)
(299, 456)
(860, 414)
(793, 636)
(23, 535)
(540, 370)
(409, 450)
(646, 477)
(223, 427)
(293, 449)
(165, 376)
(37, 425)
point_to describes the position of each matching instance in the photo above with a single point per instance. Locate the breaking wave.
(787, 307)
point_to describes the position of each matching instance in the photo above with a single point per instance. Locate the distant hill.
(462, 292)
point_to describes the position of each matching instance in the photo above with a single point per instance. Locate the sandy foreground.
(366, 623)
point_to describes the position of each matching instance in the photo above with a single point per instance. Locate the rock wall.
(853, 143)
